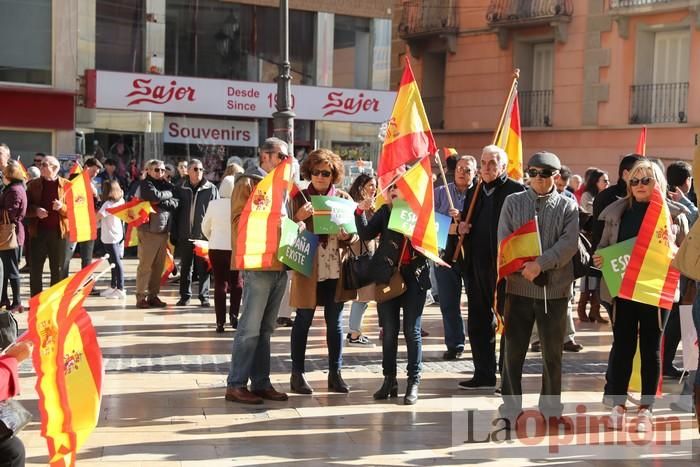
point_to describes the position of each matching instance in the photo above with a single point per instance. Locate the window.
(433, 91)
(25, 144)
(119, 35)
(351, 52)
(25, 35)
(536, 61)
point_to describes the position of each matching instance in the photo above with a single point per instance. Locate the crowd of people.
(535, 304)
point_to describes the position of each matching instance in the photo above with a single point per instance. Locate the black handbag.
(8, 329)
(356, 269)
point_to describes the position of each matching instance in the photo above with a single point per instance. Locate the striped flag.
(82, 225)
(649, 277)
(76, 169)
(518, 248)
(201, 249)
(642, 142)
(68, 363)
(509, 137)
(24, 170)
(261, 218)
(408, 135)
(169, 265)
(134, 213)
(416, 185)
(449, 152)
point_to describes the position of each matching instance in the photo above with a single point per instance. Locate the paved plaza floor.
(166, 373)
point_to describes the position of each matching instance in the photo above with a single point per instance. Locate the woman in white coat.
(216, 226)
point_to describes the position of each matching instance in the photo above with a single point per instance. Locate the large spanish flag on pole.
(259, 224)
(82, 225)
(134, 213)
(416, 185)
(518, 248)
(68, 364)
(408, 135)
(649, 277)
(509, 134)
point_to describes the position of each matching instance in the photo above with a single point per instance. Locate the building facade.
(592, 73)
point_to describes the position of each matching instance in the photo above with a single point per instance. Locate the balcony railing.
(524, 11)
(636, 3)
(535, 108)
(428, 17)
(659, 103)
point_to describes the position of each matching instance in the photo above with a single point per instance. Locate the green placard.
(403, 220)
(615, 259)
(331, 213)
(297, 249)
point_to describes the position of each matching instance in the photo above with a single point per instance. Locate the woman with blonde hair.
(13, 208)
(635, 321)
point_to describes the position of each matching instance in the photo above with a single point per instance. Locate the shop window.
(25, 35)
(24, 144)
(119, 35)
(351, 52)
(212, 39)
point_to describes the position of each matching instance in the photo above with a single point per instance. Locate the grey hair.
(469, 158)
(493, 149)
(194, 162)
(270, 144)
(153, 162)
(5, 146)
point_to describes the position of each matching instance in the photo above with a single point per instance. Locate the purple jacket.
(13, 200)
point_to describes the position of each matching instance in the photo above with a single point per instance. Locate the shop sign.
(206, 131)
(177, 94)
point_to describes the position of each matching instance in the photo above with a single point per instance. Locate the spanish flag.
(259, 224)
(68, 364)
(408, 136)
(134, 213)
(642, 142)
(169, 265)
(201, 249)
(509, 137)
(24, 170)
(76, 169)
(449, 152)
(82, 225)
(649, 277)
(518, 248)
(416, 185)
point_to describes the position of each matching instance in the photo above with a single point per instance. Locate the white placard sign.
(178, 94)
(205, 131)
(689, 337)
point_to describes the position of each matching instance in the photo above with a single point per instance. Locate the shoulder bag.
(356, 268)
(8, 235)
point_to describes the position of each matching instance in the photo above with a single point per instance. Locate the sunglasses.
(38, 161)
(466, 170)
(158, 169)
(644, 181)
(197, 169)
(322, 173)
(544, 173)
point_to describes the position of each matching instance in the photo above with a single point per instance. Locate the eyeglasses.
(544, 173)
(38, 161)
(158, 169)
(644, 181)
(466, 170)
(322, 173)
(197, 169)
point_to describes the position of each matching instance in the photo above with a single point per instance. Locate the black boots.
(411, 392)
(299, 384)
(390, 388)
(336, 383)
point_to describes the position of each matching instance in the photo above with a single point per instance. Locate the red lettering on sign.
(144, 92)
(337, 104)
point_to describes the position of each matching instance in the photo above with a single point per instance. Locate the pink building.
(593, 72)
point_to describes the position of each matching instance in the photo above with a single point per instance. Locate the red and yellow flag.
(76, 169)
(25, 174)
(416, 185)
(82, 225)
(169, 265)
(68, 364)
(509, 137)
(642, 142)
(259, 224)
(408, 136)
(518, 248)
(201, 249)
(649, 277)
(134, 213)
(449, 152)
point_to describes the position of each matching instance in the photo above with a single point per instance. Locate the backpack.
(8, 329)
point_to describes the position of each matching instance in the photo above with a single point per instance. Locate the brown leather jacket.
(34, 188)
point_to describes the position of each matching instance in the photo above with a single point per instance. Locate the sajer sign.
(206, 131)
(177, 94)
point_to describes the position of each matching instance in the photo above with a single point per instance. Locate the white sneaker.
(117, 294)
(107, 292)
(645, 422)
(616, 420)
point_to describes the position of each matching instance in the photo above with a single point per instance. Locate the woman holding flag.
(643, 213)
(324, 288)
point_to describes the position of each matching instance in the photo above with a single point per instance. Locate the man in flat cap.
(548, 277)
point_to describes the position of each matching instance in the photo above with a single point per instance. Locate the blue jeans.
(412, 302)
(450, 291)
(332, 312)
(114, 252)
(250, 356)
(357, 312)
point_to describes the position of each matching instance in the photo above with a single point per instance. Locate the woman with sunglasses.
(623, 220)
(395, 251)
(323, 169)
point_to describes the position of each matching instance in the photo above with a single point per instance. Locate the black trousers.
(50, 245)
(481, 320)
(10, 269)
(187, 261)
(12, 452)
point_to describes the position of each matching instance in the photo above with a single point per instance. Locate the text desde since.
(223, 134)
(238, 104)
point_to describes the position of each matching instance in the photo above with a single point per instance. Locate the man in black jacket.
(480, 252)
(194, 194)
(153, 235)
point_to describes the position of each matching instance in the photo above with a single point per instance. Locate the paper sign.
(403, 220)
(297, 249)
(331, 213)
(615, 259)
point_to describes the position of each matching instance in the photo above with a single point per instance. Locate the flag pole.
(444, 179)
(477, 190)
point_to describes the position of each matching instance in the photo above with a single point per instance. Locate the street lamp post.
(283, 118)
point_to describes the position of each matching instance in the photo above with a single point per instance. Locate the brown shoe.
(271, 394)
(581, 309)
(242, 395)
(143, 303)
(572, 346)
(156, 302)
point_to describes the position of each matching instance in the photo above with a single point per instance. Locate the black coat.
(160, 194)
(193, 203)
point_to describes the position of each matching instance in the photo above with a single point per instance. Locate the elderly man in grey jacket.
(548, 277)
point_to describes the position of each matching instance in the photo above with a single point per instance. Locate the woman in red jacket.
(11, 447)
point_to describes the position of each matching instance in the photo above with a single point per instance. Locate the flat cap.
(544, 160)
